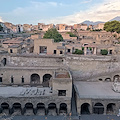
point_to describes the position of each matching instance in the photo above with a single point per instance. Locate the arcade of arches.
(29, 109)
(35, 79)
(98, 108)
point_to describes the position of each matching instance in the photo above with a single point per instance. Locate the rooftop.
(12, 42)
(14, 46)
(24, 91)
(96, 90)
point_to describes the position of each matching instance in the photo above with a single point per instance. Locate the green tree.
(71, 34)
(104, 52)
(1, 28)
(88, 28)
(77, 51)
(53, 34)
(113, 26)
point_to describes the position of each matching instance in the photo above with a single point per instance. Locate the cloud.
(86, 1)
(55, 12)
(100, 12)
(1, 19)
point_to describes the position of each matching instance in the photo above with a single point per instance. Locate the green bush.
(77, 51)
(90, 48)
(82, 48)
(71, 34)
(104, 52)
(53, 34)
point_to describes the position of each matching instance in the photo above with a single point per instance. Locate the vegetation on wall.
(71, 34)
(53, 34)
(80, 52)
(113, 26)
(104, 52)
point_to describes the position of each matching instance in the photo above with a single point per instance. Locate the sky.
(58, 11)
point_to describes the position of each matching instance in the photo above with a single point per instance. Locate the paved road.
(83, 117)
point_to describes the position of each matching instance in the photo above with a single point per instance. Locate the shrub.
(104, 52)
(77, 51)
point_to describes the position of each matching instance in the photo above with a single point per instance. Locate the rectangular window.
(22, 79)
(68, 50)
(54, 51)
(11, 51)
(110, 52)
(43, 49)
(12, 80)
(61, 92)
(61, 52)
(0, 79)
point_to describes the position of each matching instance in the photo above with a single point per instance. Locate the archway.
(116, 78)
(5, 108)
(4, 61)
(85, 108)
(17, 108)
(35, 79)
(98, 108)
(110, 108)
(29, 109)
(52, 110)
(41, 109)
(63, 109)
(107, 80)
(46, 79)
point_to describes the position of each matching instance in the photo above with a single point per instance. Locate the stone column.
(11, 110)
(22, 110)
(95, 51)
(68, 109)
(105, 108)
(91, 109)
(41, 79)
(85, 51)
(34, 109)
(46, 111)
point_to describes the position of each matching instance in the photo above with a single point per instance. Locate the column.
(105, 108)
(85, 51)
(91, 109)
(95, 51)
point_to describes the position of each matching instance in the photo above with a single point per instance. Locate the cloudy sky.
(58, 11)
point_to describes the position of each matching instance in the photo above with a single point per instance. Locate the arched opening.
(100, 79)
(35, 79)
(5, 108)
(116, 78)
(110, 108)
(52, 110)
(98, 108)
(40, 109)
(4, 61)
(29, 109)
(63, 109)
(85, 108)
(46, 79)
(17, 108)
(107, 80)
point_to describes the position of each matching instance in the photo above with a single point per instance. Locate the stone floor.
(83, 117)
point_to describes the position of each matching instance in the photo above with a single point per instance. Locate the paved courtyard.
(83, 117)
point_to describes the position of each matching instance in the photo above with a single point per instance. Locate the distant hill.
(95, 23)
(91, 22)
(116, 18)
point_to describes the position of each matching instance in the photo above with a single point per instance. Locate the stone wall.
(88, 67)
(81, 67)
